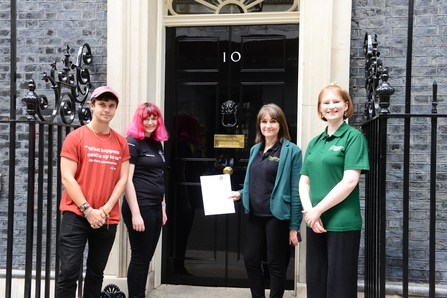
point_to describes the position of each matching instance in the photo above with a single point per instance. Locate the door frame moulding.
(277, 18)
(324, 57)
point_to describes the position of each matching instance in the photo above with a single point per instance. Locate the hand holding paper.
(235, 196)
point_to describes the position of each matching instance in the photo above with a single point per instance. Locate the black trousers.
(266, 236)
(142, 245)
(332, 264)
(74, 234)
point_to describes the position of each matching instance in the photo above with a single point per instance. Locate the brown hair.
(276, 113)
(340, 92)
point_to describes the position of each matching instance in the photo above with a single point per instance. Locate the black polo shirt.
(262, 179)
(148, 178)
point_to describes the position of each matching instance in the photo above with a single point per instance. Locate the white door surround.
(135, 68)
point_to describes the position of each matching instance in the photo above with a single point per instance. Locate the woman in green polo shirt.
(329, 195)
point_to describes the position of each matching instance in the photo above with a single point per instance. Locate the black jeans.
(142, 245)
(74, 234)
(331, 264)
(266, 236)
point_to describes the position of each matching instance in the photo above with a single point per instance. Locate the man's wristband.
(105, 212)
(88, 213)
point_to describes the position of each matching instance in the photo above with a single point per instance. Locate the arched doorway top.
(188, 7)
(179, 13)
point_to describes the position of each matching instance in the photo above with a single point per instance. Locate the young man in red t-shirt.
(94, 168)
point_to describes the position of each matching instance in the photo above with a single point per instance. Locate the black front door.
(217, 78)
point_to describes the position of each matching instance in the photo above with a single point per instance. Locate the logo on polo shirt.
(336, 148)
(274, 158)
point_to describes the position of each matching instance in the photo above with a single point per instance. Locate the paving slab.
(182, 291)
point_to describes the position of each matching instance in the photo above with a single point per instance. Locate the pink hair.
(136, 128)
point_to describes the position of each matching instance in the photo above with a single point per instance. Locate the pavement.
(182, 291)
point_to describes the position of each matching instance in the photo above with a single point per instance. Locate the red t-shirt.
(99, 167)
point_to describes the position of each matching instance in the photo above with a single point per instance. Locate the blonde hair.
(340, 92)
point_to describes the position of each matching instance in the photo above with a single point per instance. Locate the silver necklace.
(104, 140)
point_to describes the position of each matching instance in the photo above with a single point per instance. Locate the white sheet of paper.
(216, 190)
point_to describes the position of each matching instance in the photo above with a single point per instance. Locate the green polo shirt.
(326, 159)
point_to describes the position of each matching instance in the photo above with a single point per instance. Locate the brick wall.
(44, 29)
(389, 20)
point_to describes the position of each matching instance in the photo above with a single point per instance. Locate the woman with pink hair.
(144, 207)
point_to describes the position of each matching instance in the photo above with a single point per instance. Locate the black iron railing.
(42, 132)
(399, 179)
